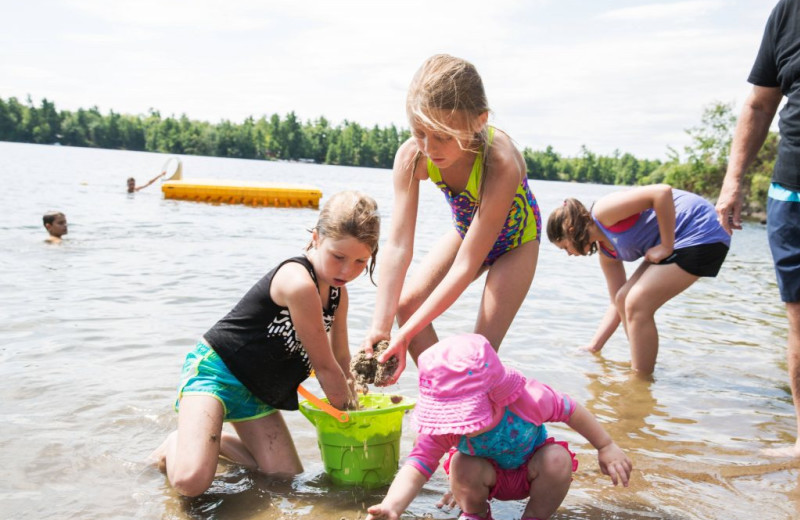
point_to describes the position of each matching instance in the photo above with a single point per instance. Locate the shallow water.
(95, 330)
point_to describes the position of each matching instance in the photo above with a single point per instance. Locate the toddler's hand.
(447, 501)
(379, 512)
(615, 464)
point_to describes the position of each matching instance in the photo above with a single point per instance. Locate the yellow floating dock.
(243, 192)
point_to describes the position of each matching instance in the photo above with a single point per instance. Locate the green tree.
(707, 155)
(347, 144)
(11, 116)
(542, 164)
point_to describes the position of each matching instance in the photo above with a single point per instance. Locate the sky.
(605, 74)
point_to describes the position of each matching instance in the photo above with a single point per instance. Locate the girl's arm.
(405, 487)
(396, 253)
(617, 206)
(340, 343)
(505, 171)
(293, 287)
(614, 272)
(613, 461)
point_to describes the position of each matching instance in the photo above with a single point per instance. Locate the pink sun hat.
(461, 383)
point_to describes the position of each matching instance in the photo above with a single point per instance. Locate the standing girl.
(249, 365)
(497, 221)
(490, 419)
(676, 232)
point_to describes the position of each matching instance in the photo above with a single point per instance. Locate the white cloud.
(558, 73)
(663, 11)
(210, 15)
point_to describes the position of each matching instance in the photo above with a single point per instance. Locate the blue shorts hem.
(783, 233)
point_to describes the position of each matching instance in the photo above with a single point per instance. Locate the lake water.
(94, 332)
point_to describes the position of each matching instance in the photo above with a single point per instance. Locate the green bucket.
(365, 450)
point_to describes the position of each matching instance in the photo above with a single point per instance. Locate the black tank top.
(259, 345)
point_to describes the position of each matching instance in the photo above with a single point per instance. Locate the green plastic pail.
(365, 450)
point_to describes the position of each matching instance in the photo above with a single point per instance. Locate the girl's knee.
(190, 482)
(555, 463)
(637, 309)
(468, 472)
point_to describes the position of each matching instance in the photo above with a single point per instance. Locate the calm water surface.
(94, 331)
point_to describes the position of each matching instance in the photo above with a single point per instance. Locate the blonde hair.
(351, 214)
(572, 221)
(444, 87)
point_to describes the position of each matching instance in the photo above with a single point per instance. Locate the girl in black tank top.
(291, 321)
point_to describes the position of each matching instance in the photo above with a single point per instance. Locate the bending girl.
(676, 232)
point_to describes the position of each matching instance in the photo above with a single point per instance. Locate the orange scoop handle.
(337, 414)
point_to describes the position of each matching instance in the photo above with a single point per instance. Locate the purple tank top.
(695, 224)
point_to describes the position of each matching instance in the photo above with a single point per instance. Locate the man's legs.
(793, 363)
(783, 215)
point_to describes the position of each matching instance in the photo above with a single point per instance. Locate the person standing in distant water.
(496, 218)
(132, 187)
(55, 223)
(776, 73)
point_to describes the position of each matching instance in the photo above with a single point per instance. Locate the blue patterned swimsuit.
(510, 444)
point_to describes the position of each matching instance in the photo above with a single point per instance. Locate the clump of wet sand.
(367, 371)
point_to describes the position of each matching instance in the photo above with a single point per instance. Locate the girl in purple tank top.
(677, 234)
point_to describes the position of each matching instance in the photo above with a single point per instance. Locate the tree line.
(271, 137)
(700, 168)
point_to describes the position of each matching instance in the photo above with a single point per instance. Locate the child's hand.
(657, 253)
(591, 348)
(380, 512)
(398, 347)
(615, 464)
(373, 338)
(448, 501)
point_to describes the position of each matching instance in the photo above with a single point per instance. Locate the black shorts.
(700, 260)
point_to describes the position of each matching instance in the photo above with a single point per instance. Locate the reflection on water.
(94, 334)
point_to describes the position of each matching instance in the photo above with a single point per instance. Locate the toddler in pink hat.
(490, 420)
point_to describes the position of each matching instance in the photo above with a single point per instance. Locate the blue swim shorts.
(783, 230)
(204, 373)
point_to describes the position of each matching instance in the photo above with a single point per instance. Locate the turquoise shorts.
(204, 373)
